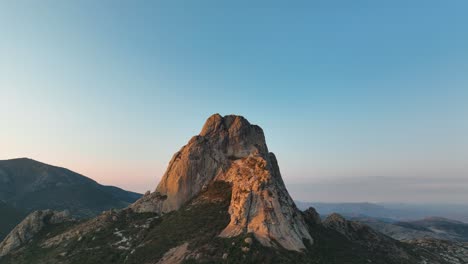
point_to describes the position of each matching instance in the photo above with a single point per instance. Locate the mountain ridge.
(392, 212)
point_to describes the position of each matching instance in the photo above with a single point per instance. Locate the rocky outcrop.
(365, 236)
(351, 229)
(233, 150)
(261, 205)
(150, 202)
(340, 224)
(312, 216)
(30, 226)
(221, 141)
(175, 255)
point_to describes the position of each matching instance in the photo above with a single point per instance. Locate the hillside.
(10, 217)
(28, 185)
(31, 185)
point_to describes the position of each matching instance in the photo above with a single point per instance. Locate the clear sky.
(360, 100)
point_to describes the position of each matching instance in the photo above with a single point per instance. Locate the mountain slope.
(31, 185)
(455, 230)
(27, 185)
(449, 251)
(9, 218)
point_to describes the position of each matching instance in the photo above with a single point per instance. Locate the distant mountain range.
(432, 227)
(27, 185)
(399, 221)
(390, 211)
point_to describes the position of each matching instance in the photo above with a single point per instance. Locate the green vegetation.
(36, 254)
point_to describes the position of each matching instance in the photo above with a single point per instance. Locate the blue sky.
(345, 90)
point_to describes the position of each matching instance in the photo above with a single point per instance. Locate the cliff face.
(260, 203)
(233, 150)
(221, 141)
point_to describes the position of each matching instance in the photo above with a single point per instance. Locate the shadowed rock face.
(233, 150)
(312, 216)
(364, 235)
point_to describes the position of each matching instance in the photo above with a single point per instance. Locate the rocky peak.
(30, 226)
(312, 216)
(231, 149)
(334, 218)
(339, 223)
(239, 137)
(222, 140)
(353, 230)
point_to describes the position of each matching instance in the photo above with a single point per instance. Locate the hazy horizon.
(358, 102)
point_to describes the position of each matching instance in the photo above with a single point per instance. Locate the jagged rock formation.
(233, 150)
(30, 226)
(353, 230)
(260, 203)
(221, 141)
(312, 216)
(340, 224)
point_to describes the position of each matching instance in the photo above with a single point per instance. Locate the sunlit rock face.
(221, 141)
(260, 203)
(231, 149)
